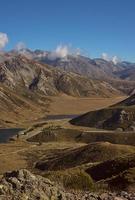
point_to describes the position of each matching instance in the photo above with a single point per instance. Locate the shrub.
(72, 179)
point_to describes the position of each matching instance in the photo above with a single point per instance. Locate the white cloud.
(59, 52)
(19, 46)
(115, 59)
(106, 57)
(62, 51)
(3, 40)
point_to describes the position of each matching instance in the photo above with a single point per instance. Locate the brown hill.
(95, 152)
(118, 173)
(20, 108)
(119, 116)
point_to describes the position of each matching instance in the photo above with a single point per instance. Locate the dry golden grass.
(20, 154)
(27, 114)
(71, 105)
(10, 159)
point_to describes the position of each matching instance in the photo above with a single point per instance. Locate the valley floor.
(72, 105)
(60, 105)
(63, 152)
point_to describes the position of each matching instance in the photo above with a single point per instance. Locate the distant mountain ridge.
(21, 72)
(116, 74)
(93, 68)
(107, 66)
(120, 76)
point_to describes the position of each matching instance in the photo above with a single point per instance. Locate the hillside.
(92, 68)
(94, 152)
(118, 173)
(26, 85)
(119, 116)
(82, 65)
(119, 75)
(19, 72)
(128, 73)
(130, 101)
(16, 106)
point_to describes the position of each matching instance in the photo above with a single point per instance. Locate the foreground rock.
(22, 185)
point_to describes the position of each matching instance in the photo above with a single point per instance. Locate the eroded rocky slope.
(23, 185)
(19, 72)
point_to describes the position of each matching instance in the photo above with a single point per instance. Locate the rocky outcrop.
(23, 185)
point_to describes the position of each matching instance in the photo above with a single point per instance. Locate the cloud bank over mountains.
(108, 58)
(61, 51)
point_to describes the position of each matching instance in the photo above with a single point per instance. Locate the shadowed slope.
(120, 115)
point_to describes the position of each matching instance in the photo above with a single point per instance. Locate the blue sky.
(94, 26)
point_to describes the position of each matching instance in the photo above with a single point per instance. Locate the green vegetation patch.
(72, 179)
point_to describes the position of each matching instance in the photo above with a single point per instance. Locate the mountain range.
(78, 158)
(120, 75)
(19, 72)
(25, 85)
(28, 78)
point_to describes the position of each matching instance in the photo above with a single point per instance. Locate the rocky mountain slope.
(92, 68)
(24, 185)
(16, 106)
(95, 69)
(128, 71)
(119, 116)
(25, 85)
(20, 72)
(127, 74)
(119, 74)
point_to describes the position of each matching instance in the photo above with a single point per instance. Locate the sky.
(96, 27)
